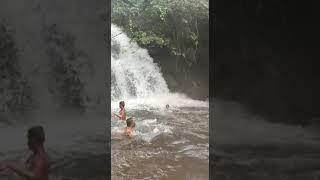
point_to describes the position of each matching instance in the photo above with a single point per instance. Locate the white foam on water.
(149, 129)
(145, 130)
(138, 81)
(159, 102)
(133, 72)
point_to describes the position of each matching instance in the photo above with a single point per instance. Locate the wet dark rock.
(264, 56)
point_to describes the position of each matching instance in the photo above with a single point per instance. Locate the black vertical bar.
(212, 25)
(108, 86)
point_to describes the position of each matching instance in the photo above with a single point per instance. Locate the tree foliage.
(179, 25)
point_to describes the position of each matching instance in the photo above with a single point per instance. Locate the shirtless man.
(38, 163)
(122, 113)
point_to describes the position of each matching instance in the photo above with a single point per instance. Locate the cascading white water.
(138, 81)
(133, 72)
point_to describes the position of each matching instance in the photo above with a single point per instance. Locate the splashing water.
(136, 79)
(171, 137)
(133, 72)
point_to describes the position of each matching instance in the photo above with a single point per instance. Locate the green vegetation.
(181, 26)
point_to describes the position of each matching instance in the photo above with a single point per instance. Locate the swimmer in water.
(122, 113)
(130, 126)
(167, 106)
(37, 165)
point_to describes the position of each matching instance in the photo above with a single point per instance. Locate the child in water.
(122, 113)
(127, 131)
(130, 126)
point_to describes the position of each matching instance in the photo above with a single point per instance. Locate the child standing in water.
(122, 113)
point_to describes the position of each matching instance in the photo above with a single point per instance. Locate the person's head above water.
(121, 104)
(167, 106)
(36, 137)
(130, 123)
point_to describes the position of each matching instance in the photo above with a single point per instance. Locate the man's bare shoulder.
(42, 160)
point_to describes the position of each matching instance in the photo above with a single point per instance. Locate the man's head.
(121, 104)
(131, 123)
(36, 137)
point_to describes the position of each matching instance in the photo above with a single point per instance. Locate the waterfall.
(133, 72)
(59, 50)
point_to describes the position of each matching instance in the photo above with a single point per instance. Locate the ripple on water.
(166, 145)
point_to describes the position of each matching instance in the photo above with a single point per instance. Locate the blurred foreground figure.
(37, 165)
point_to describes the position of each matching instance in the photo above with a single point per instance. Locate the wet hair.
(130, 122)
(36, 133)
(121, 103)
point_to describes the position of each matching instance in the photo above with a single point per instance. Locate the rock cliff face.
(190, 80)
(264, 55)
